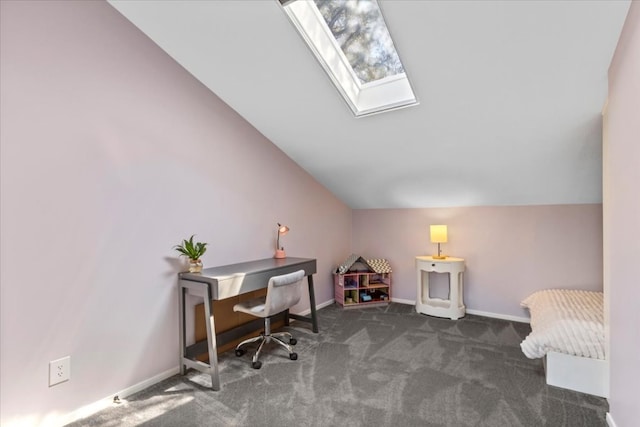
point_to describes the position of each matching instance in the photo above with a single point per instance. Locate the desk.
(227, 281)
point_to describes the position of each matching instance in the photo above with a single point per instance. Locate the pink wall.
(510, 251)
(622, 199)
(110, 155)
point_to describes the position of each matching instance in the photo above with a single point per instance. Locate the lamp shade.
(438, 233)
(282, 229)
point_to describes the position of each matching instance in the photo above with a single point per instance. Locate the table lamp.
(438, 235)
(282, 230)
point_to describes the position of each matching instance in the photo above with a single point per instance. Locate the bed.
(567, 330)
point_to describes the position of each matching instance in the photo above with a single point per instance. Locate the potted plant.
(193, 251)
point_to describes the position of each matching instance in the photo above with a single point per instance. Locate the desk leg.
(211, 341)
(183, 345)
(312, 303)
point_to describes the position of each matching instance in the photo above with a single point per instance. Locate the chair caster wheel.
(293, 341)
(293, 356)
(256, 365)
(240, 352)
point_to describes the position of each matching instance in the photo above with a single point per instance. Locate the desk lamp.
(282, 230)
(438, 235)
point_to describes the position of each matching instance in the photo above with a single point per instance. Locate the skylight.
(363, 37)
(352, 43)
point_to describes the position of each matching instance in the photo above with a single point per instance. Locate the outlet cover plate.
(59, 370)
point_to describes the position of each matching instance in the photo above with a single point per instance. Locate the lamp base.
(280, 254)
(439, 256)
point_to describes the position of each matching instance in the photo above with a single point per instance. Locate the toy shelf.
(357, 289)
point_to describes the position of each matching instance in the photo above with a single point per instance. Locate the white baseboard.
(403, 301)
(475, 312)
(323, 305)
(318, 307)
(106, 402)
(499, 316)
(610, 421)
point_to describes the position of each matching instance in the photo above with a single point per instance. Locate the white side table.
(452, 308)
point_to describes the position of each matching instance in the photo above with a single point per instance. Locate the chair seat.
(254, 307)
(283, 292)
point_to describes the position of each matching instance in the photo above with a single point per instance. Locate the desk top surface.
(230, 280)
(215, 274)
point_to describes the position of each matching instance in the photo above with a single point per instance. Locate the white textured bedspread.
(565, 321)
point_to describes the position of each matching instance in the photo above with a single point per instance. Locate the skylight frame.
(386, 94)
(334, 43)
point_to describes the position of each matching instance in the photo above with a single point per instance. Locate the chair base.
(265, 338)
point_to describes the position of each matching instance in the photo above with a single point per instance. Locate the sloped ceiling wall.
(510, 96)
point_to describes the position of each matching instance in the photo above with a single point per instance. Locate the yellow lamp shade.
(438, 233)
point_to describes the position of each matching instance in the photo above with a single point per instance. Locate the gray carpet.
(375, 366)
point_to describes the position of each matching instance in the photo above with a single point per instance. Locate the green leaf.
(190, 249)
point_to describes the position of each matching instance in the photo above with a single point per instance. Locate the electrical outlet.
(59, 371)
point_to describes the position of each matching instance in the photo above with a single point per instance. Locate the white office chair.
(283, 292)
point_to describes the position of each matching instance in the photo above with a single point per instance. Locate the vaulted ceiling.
(510, 92)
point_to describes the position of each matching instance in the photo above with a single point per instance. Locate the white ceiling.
(510, 93)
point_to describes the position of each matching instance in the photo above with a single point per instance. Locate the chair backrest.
(283, 292)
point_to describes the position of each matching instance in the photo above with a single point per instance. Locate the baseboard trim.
(610, 421)
(475, 312)
(403, 301)
(318, 307)
(323, 305)
(106, 402)
(499, 316)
